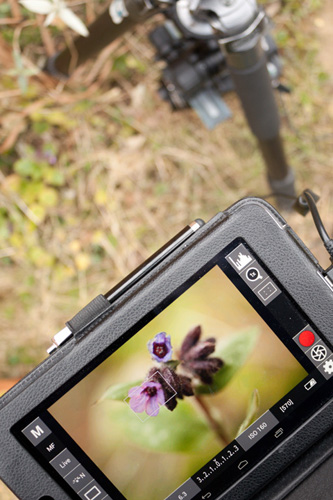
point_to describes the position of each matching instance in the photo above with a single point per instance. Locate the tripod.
(210, 47)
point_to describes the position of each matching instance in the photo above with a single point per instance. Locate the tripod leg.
(254, 88)
(102, 32)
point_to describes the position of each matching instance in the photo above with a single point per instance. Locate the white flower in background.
(53, 9)
(118, 11)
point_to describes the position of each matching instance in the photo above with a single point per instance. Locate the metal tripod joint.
(227, 17)
(232, 22)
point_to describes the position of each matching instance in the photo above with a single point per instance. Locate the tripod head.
(224, 18)
(196, 71)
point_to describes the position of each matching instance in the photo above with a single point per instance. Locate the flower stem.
(214, 425)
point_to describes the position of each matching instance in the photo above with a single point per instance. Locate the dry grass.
(135, 173)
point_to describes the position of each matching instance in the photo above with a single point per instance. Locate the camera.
(206, 373)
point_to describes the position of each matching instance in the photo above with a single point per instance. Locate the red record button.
(306, 338)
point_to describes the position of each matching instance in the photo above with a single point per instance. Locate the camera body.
(272, 454)
(196, 73)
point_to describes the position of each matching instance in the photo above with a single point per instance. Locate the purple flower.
(195, 356)
(48, 156)
(146, 397)
(174, 386)
(160, 347)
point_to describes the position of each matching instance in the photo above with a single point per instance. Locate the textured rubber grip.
(88, 314)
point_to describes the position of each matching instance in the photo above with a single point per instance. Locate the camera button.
(187, 490)
(50, 447)
(64, 463)
(306, 338)
(36, 432)
(326, 368)
(79, 478)
(93, 492)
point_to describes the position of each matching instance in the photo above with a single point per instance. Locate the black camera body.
(284, 447)
(195, 72)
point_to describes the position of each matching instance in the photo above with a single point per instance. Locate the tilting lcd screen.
(171, 398)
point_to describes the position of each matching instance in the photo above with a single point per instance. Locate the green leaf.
(39, 257)
(48, 197)
(54, 177)
(234, 352)
(119, 64)
(118, 392)
(40, 127)
(5, 10)
(180, 430)
(21, 72)
(29, 168)
(54, 117)
(252, 412)
(134, 63)
(172, 364)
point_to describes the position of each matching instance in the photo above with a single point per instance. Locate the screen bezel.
(317, 399)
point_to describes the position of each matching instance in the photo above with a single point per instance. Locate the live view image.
(179, 391)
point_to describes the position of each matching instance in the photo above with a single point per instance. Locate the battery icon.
(310, 384)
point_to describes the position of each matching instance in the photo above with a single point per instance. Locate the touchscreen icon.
(268, 291)
(307, 338)
(77, 479)
(278, 433)
(243, 464)
(253, 274)
(318, 352)
(93, 493)
(310, 384)
(242, 261)
(328, 366)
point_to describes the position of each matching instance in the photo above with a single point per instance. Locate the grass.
(97, 173)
